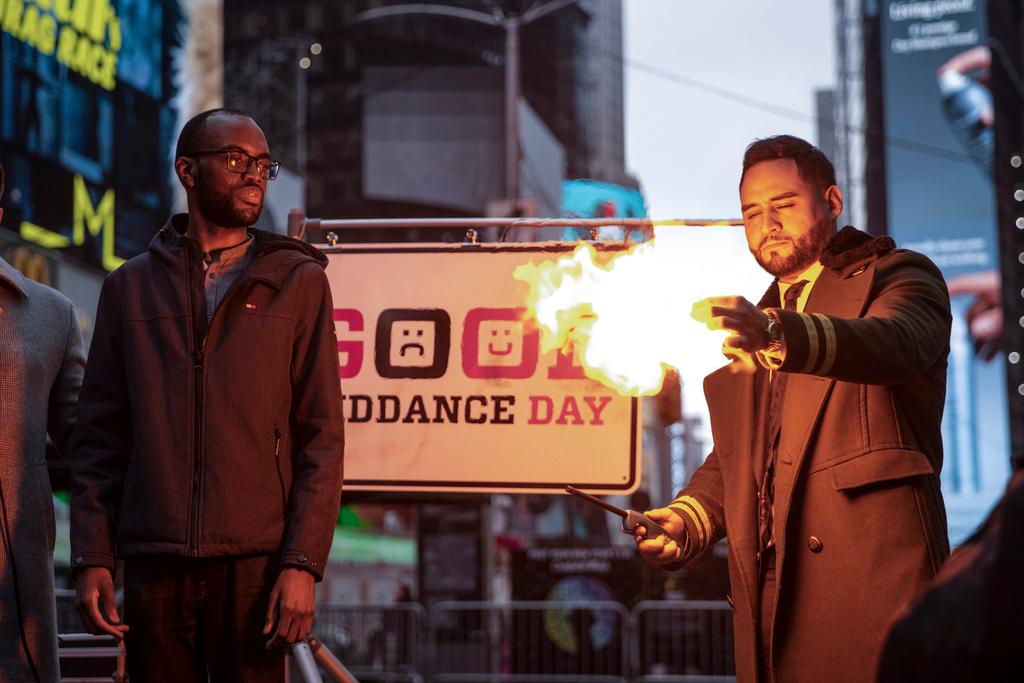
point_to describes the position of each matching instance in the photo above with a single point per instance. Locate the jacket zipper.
(198, 358)
(197, 458)
(197, 391)
(198, 363)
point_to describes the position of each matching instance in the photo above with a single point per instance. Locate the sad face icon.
(412, 343)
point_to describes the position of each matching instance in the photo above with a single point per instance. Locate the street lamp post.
(511, 25)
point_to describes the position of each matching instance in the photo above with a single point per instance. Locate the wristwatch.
(773, 331)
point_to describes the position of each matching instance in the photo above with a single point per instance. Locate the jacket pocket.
(280, 470)
(877, 466)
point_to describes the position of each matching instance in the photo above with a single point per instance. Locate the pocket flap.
(881, 465)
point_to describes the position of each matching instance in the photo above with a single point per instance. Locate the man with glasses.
(208, 452)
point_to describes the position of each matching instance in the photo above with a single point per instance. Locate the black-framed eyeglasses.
(240, 162)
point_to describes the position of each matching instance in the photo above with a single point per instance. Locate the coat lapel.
(840, 297)
(12, 279)
(730, 397)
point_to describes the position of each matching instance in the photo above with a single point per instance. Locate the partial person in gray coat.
(41, 367)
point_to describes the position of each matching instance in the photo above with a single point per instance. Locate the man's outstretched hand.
(660, 549)
(94, 588)
(744, 321)
(290, 612)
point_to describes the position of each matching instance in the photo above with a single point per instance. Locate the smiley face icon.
(498, 343)
(501, 343)
(412, 343)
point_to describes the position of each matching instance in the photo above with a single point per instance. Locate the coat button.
(79, 560)
(814, 544)
(301, 559)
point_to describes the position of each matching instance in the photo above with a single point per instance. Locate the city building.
(405, 115)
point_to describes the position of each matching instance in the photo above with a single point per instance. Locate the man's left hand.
(291, 607)
(746, 323)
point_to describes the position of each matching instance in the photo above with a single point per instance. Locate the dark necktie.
(776, 394)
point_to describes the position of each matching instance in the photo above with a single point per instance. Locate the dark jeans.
(199, 619)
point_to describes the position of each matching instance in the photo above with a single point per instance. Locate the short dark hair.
(191, 136)
(813, 166)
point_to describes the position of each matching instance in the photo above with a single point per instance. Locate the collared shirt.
(221, 268)
(811, 275)
(774, 359)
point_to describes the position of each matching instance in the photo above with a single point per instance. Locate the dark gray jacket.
(210, 442)
(41, 361)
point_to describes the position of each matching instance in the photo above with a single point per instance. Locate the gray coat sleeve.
(62, 405)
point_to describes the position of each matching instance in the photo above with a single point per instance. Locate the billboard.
(939, 163)
(586, 198)
(87, 123)
(446, 386)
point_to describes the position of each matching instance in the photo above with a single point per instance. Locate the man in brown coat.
(827, 450)
(41, 365)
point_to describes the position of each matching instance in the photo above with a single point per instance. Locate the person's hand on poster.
(985, 314)
(976, 63)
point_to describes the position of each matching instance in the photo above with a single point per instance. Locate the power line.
(786, 112)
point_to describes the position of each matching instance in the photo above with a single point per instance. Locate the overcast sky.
(686, 144)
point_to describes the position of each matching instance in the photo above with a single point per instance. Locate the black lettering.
(481, 417)
(384, 415)
(355, 415)
(502, 405)
(416, 408)
(451, 410)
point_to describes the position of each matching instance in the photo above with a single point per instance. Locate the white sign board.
(445, 387)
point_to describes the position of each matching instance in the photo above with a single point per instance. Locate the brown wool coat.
(859, 518)
(41, 366)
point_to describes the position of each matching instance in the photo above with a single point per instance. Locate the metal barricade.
(682, 641)
(68, 620)
(529, 642)
(377, 642)
(520, 642)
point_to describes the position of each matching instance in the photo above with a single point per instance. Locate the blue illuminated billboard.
(87, 123)
(941, 199)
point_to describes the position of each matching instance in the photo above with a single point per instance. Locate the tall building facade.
(339, 95)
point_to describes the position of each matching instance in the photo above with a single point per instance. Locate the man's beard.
(219, 208)
(805, 251)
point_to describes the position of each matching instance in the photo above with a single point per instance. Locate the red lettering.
(570, 411)
(566, 365)
(541, 409)
(352, 349)
(597, 404)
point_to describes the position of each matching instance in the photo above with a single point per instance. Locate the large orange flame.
(626, 313)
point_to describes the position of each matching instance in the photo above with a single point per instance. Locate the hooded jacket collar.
(850, 245)
(14, 280)
(170, 245)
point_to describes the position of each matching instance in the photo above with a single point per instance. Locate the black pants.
(199, 619)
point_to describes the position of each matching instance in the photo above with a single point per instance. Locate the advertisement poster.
(939, 163)
(87, 123)
(447, 388)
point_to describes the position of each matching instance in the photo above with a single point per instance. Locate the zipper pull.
(197, 360)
